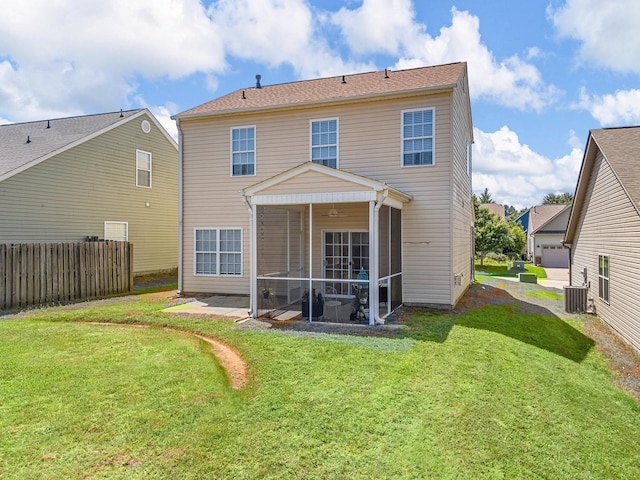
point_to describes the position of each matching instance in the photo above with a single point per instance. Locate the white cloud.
(379, 26)
(73, 56)
(516, 175)
(613, 109)
(607, 31)
(277, 32)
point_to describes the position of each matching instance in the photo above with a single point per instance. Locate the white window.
(143, 169)
(469, 147)
(118, 231)
(418, 137)
(218, 251)
(603, 277)
(243, 151)
(324, 142)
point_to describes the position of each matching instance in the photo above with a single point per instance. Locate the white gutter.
(253, 256)
(180, 207)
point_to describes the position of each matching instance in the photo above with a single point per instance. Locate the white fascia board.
(306, 198)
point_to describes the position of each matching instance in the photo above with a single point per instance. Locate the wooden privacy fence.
(49, 273)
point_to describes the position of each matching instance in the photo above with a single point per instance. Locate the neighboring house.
(108, 176)
(545, 228)
(604, 228)
(494, 208)
(356, 184)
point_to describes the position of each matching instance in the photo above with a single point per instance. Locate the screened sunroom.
(326, 246)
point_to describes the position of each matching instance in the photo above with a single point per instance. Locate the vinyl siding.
(370, 145)
(69, 197)
(461, 205)
(312, 181)
(610, 225)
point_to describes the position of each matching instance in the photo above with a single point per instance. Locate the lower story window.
(218, 251)
(603, 277)
(118, 231)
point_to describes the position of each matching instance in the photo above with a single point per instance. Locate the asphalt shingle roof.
(541, 214)
(621, 148)
(332, 89)
(16, 152)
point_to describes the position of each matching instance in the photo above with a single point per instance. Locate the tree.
(554, 199)
(517, 239)
(492, 233)
(485, 197)
(512, 212)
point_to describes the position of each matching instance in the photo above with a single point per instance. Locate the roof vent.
(343, 80)
(386, 74)
(243, 95)
(258, 77)
(121, 115)
(48, 124)
(28, 139)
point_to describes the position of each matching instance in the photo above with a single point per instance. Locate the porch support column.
(373, 263)
(310, 296)
(253, 284)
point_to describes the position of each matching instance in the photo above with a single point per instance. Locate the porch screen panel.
(396, 241)
(273, 241)
(396, 292)
(384, 242)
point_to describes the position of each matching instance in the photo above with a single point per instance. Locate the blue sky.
(542, 73)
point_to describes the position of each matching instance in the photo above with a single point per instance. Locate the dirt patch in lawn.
(230, 360)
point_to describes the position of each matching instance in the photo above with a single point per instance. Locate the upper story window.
(143, 169)
(603, 277)
(243, 151)
(324, 142)
(417, 137)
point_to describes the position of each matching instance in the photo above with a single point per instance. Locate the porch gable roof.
(338, 186)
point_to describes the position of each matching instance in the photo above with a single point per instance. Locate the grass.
(545, 294)
(500, 269)
(160, 288)
(490, 394)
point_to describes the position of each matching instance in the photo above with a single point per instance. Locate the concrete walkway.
(556, 278)
(220, 305)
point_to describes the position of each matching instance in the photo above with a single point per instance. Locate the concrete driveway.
(556, 277)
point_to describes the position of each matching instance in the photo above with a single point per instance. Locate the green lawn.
(491, 394)
(500, 270)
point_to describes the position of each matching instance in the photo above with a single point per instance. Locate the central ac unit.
(575, 299)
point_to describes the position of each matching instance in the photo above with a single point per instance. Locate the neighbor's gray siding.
(68, 197)
(609, 224)
(370, 134)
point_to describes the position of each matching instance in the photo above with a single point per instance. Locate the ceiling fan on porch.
(333, 212)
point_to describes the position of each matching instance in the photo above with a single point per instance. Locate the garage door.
(555, 256)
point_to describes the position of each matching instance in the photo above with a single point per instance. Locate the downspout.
(252, 267)
(180, 207)
(568, 245)
(374, 291)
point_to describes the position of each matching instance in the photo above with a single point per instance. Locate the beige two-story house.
(341, 198)
(109, 176)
